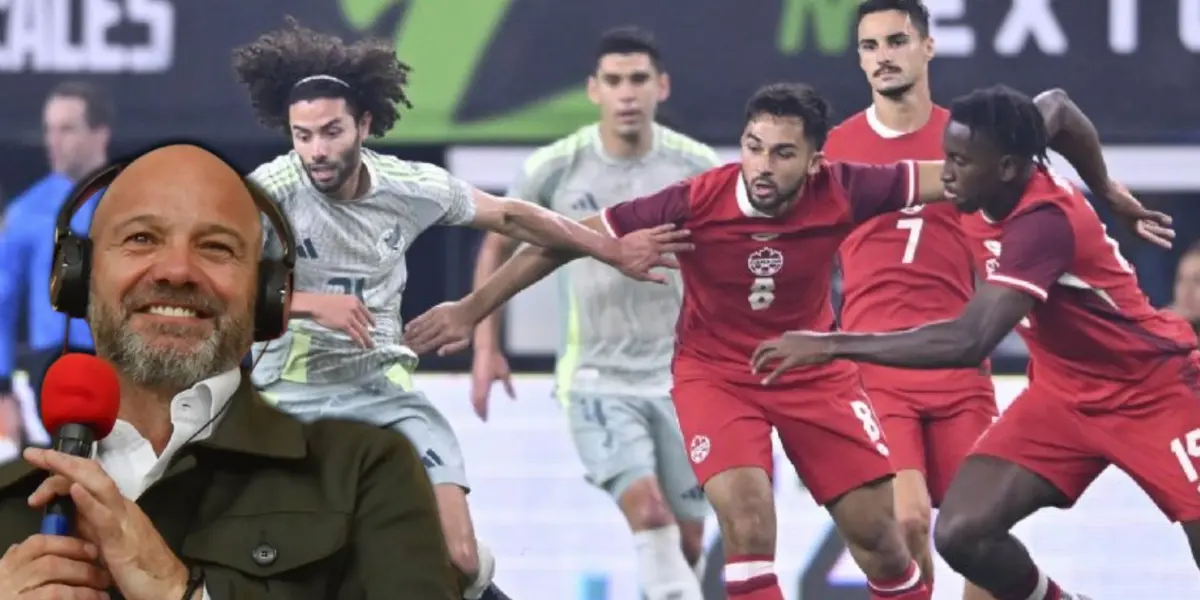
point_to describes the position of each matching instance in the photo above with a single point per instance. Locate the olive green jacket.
(272, 508)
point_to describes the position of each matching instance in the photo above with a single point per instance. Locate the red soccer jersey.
(1093, 333)
(909, 268)
(753, 276)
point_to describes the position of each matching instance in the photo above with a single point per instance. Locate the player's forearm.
(494, 250)
(942, 345)
(1072, 134)
(528, 266)
(303, 304)
(531, 223)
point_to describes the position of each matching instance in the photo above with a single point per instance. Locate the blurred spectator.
(12, 431)
(77, 120)
(1186, 302)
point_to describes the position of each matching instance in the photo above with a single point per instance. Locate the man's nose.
(174, 265)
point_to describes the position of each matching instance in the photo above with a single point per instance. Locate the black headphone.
(72, 268)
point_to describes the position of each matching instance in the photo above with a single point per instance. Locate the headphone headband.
(104, 177)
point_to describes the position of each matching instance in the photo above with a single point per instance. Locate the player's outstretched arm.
(962, 342)
(448, 327)
(1072, 134)
(538, 225)
(1039, 246)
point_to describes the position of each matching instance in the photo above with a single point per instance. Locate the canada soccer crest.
(699, 448)
(765, 262)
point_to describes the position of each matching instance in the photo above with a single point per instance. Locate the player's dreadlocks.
(366, 73)
(1007, 117)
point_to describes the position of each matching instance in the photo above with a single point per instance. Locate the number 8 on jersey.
(764, 264)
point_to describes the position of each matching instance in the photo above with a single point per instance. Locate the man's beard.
(896, 93)
(344, 167)
(168, 368)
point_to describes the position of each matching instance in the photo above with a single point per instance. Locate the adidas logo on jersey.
(306, 249)
(585, 203)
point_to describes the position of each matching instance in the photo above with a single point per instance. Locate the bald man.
(203, 491)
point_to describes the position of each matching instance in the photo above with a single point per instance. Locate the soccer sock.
(664, 570)
(487, 570)
(750, 577)
(908, 586)
(1039, 587)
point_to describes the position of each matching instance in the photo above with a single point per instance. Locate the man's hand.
(643, 250)
(446, 328)
(48, 567)
(792, 349)
(141, 564)
(344, 313)
(487, 367)
(1150, 225)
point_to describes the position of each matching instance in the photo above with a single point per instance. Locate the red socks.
(906, 587)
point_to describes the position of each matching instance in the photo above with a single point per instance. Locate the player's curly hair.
(1007, 117)
(271, 66)
(797, 100)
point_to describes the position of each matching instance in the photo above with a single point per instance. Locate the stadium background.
(492, 82)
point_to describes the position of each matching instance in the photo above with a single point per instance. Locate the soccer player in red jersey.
(908, 268)
(766, 231)
(1112, 380)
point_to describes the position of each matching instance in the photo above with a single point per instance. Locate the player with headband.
(356, 212)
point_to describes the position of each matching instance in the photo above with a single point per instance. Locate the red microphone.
(80, 397)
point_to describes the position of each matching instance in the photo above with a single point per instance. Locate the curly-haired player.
(355, 213)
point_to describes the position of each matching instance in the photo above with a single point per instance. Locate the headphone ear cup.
(271, 309)
(70, 276)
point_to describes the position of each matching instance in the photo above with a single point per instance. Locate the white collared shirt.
(129, 459)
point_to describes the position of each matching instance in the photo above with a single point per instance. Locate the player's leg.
(832, 437)
(411, 414)
(729, 445)
(680, 486)
(905, 432)
(613, 437)
(1156, 440)
(1035, 456)
(948, 440)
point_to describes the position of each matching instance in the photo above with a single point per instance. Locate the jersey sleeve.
(453, 196)
(876, 189)
(1036, 248)
(669, 205)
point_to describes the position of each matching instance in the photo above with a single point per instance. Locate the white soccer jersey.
(356, 247)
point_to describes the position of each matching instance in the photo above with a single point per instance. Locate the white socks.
(664, 572)
(487, 570)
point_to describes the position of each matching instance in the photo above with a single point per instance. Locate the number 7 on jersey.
(913, 227)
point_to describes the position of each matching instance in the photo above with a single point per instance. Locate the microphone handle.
(59, 516)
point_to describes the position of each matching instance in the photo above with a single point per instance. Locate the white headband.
(320, 78)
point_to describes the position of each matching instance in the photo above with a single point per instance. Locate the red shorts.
(932, 432)
(828, 430)
(1154, 437)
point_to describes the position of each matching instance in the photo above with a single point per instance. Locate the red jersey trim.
(913, 176)
(1019, 285)
(607, 225)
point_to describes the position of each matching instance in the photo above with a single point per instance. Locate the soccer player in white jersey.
(355, 213)
(613, 373)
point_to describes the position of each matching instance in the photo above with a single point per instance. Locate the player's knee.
(960, 536)
(914, 526)
(644, 507)
(881, 551)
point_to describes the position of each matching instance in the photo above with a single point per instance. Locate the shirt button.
(264, 555)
